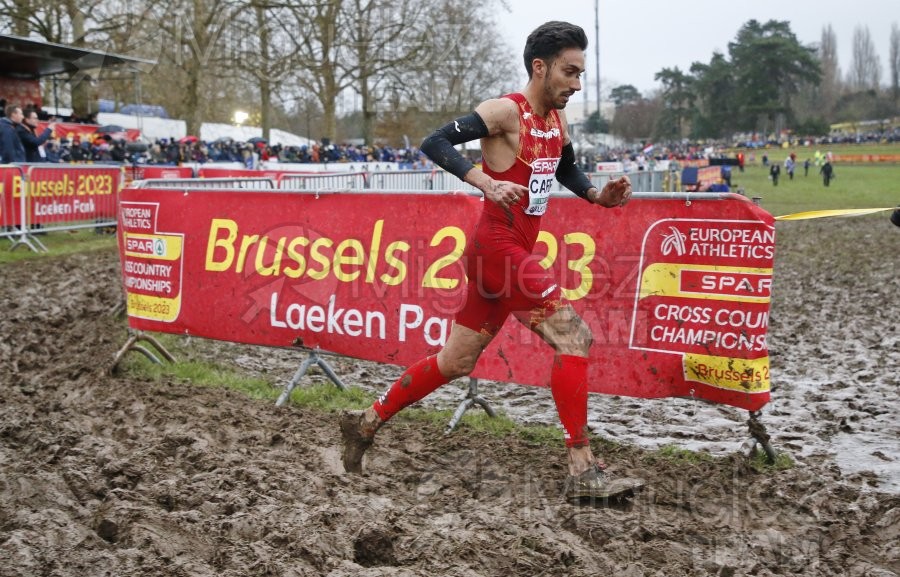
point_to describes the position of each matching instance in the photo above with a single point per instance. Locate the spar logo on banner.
(704, 289)
(152, 263)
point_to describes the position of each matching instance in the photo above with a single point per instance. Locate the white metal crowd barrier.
(439, 180)
(641, 181)
(344, 181)
(207, 183)
(401, 180)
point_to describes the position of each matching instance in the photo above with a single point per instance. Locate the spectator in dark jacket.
(11, 149)
(33, 144)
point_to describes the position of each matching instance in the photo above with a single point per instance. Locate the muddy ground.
(103, 475)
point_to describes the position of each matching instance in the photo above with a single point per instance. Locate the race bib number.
(543, 173)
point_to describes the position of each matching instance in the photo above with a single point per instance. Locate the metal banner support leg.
(760, 436)
(312, 359)
(30, 241)
(472, 398)
(132, 345)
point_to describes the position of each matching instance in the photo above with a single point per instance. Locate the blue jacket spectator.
(30, 140)
(11, 149)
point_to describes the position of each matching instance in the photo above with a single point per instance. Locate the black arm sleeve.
(439, 145)
(570, 176)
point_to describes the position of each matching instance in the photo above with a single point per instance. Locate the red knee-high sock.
(568, 383)
(416, 383)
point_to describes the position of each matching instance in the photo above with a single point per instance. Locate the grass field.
(780, 154)
(58, 243)
(855, 186)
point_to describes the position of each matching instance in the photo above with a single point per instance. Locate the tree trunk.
(265, 96)
(80, 83)
(328, 100)
(368, 111)
(194, 117)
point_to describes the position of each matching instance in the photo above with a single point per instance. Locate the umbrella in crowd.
(188, 140)
(109, 129)
(257, 140)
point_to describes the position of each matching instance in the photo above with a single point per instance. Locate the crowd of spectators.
(103, 148)
(171, 151)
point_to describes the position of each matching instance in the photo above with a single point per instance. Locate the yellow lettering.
(271, 270)
(341, 258)
(552, 248)
(315, 253)
(296, 257)
(580, 265)
(395, 262)
(226, 243)
(246, 242)
(373, 251)
(431, 280)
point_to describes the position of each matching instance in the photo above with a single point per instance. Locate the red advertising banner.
(610, 167)
(61, 194)
(143, 171)
(10, 177)
(88, 132)
(864, 158)
(709, 174)
(676, 294)
(21, 92)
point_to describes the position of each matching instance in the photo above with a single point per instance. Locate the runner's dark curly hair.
(551, 38)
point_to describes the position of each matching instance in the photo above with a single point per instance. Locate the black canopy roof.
(27, 58)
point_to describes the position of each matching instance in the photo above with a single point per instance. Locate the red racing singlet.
(504, 277)
(540, 147)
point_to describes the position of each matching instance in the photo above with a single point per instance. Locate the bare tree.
(262, 52)
(636, 120)
(196, 50)
(52, 21)
(318, 52)
(830, 87)
(894, 64)
(385, 35)
(865, 70)
(463, 62)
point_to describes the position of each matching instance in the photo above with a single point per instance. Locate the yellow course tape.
(826, 213)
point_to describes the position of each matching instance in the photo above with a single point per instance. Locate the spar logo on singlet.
(543, 173)
(538, 133)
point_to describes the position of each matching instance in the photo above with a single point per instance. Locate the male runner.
(525, 145)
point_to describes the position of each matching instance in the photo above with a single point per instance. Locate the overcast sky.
(637, 39)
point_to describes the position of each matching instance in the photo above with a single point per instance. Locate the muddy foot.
(355, 441)
(594, 484)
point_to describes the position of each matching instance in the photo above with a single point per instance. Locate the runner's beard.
(556, 99)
